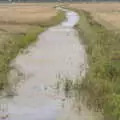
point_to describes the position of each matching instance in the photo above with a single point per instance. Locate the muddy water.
(56, 54)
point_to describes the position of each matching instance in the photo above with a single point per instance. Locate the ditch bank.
(100, 87)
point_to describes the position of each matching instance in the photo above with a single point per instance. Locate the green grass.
(102, 82)
(16, 42)
(11, 47)
(55, 20)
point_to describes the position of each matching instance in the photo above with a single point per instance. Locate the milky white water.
(57, 52)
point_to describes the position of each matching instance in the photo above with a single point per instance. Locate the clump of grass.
(101, 84)
(67, 87)
(55, 20)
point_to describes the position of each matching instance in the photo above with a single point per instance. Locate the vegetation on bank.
(16, 42)
(102, 82)
(10, 48)
(55, 20)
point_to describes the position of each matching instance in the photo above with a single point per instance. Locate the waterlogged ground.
(56, 54)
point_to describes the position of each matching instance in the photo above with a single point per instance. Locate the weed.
(101, 84)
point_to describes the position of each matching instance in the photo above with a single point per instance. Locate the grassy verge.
(101, 84)
(11, 47)
(55, 20)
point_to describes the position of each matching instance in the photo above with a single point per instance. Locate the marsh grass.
(101, 84)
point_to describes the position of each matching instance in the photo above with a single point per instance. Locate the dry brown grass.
(26, 13)
(107, 14)
(97, 7)
(19, 18)
(109, 19)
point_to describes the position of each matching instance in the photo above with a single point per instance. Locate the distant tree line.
(58, 0)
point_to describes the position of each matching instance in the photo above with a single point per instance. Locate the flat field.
(26, 14)
(18, 18)
(108, 14)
